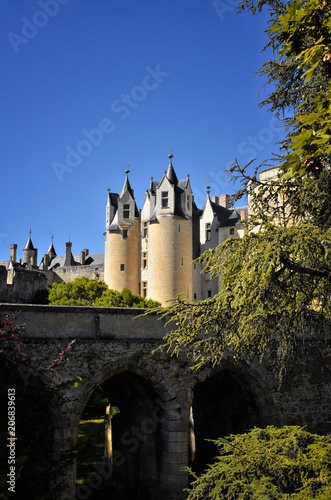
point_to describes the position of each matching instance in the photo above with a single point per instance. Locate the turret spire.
(172, 177)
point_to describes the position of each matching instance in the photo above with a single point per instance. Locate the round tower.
(122, 240)
(169, 269)
(30, 252)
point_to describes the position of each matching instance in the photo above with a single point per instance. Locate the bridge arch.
(229, 399)
(143, 462)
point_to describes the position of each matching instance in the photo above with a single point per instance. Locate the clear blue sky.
(149, 75)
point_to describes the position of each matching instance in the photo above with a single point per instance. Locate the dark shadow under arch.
(136, 437)
(223, 404)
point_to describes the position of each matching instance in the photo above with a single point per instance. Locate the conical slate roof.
(171, 175)
(29, 245)
(126, 186)
(51, 251)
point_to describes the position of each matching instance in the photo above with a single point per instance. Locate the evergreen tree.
(276, 281)
(268, 464)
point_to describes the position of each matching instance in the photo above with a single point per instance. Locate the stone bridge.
(167, 410)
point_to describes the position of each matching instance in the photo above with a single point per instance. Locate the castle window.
(164, 199)
(195, 295)
(232, 231)
(125, 234)
(144, 289)
(188, 202)
(179, 228)
(122, 267)
(208, 231)
(145, 230)
(209, 294)
(126, 211)
(144, 260)
(182, 261)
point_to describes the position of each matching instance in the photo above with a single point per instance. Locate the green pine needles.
(268, 464)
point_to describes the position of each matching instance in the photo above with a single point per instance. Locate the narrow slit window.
(144, 289)
(144, 260)
(145, 230)
(122, 267)
(208, 231)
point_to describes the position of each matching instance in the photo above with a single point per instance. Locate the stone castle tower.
(122, 240)
(166, 238)
(152, 253)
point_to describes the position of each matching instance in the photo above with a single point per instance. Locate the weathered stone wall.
(114, 348)
(70, 273)
(20, 285)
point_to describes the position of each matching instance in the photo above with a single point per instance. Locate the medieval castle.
(150, 251)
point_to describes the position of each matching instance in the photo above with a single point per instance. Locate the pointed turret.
(122, 239)
(126, 186)
(51, 251)
(29, 245)
(171, 175)
(30, 252)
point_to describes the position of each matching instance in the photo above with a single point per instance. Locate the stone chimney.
(68, 256)
(224, 200)
(86, 251)
(215, 200)
(82, 257)
(242, 214)
(46, 261)
(13, 248)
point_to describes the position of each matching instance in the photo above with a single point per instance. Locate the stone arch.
(141, 459)
(230, 399)
(36, 414)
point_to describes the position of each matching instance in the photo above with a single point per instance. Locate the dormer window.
(126, 211)
(164, 199)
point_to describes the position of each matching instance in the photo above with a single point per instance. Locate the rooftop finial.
(52, 238)
(30, 232)
(170, 156)
(108, 189)
(127, 171)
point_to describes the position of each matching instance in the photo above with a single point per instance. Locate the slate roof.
(29, 245)
(226, 216)
(91, 259)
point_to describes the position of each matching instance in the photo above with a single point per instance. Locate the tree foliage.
(287, 463)
(306, 32)
(276, 281)
(86, 292)
(80, 292)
